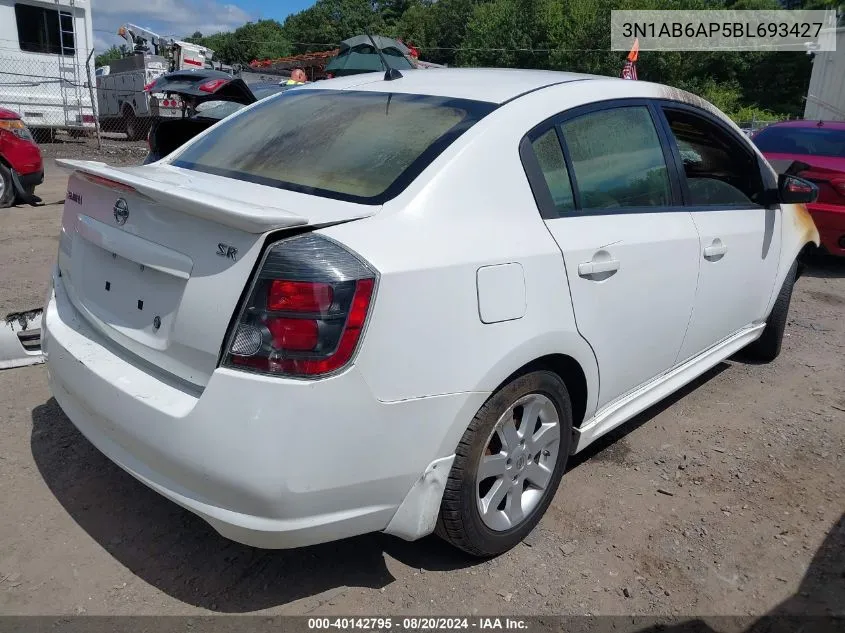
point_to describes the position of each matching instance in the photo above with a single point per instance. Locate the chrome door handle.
(716, 249)
(588, 269)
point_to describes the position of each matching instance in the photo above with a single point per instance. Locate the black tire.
(460, 521)
(136, 129)
(767, 347)
(7, 187)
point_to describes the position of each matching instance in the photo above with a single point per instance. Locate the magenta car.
(821, 146)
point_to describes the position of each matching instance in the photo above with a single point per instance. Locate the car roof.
(494, 85)
(805, 123)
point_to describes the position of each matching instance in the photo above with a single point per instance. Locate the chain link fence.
(753, 125)
(53, 93)
(60, 99)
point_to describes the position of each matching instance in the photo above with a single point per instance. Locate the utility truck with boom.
(124, 103)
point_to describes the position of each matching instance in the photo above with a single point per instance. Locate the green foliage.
(254, 40)
(328, 22)
(109, 55)
(572, 35)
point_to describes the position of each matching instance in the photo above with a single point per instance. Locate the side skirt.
(626, 407)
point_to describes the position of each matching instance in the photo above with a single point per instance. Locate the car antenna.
(389, 73)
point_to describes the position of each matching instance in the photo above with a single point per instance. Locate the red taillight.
(293, 334)
(165, 103)
(299, 296)
(87, 118)
(348, 340)
(212, 85)
(306, 310)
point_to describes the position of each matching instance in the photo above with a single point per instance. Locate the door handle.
(716, 249)
(588, 269)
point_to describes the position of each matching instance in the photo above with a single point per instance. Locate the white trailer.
(826, 95)
(46, 60)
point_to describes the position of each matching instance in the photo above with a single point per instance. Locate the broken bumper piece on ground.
(20, 339)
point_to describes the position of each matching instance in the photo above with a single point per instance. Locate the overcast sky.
(183, 17)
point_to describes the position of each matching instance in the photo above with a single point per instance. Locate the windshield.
(222, 109)
(808, 141)
(217, 109)
(357, 146)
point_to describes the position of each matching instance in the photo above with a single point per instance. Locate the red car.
(21, 168)
(821, 145)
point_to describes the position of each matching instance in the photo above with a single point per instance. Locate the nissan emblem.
(121, 211)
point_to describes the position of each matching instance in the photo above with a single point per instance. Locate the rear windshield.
(358, 146)
(810, 141)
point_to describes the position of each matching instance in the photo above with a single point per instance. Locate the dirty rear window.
(358, 146)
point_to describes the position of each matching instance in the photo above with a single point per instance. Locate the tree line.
(572, 35)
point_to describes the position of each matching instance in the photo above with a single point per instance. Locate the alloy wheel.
(517, 464)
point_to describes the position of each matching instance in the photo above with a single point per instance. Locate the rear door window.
(357, 146)
(617, 159)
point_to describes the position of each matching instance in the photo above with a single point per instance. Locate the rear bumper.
(830, 221)
(267, 462)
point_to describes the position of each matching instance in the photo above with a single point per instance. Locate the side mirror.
(795, 190)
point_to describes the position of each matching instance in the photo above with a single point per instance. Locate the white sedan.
(399, 306)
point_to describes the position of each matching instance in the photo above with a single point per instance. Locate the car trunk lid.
(156, 258)
(197, 86)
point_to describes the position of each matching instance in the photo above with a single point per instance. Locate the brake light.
(298, 296)
(294, 334)
(108, 182)
(87, 118)
(305, 312)
(212, 85)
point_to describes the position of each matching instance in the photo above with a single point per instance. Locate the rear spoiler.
(174, 191)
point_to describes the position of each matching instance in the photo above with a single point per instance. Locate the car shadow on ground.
(609, 442)
(181, 555)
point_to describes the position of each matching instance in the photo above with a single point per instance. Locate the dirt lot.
(751, 457)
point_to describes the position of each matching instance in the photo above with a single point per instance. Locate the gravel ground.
(115, 149)
(727, 499)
